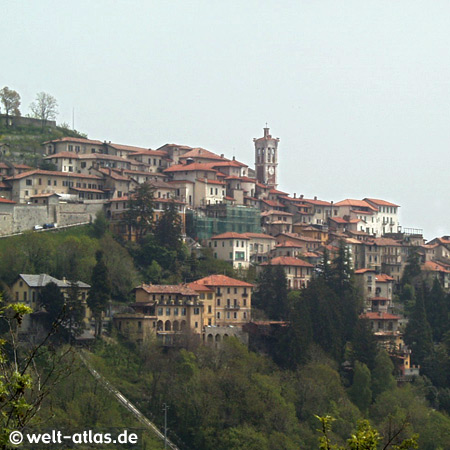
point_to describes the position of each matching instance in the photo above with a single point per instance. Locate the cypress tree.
(100, 292)
(418, 331)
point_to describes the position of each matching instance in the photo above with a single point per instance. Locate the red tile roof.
(383, 278)
(286, 261)
(364, 270)
(357, 203)
(202, 153)
(435, 267)
(259, 236)
(127, 148)
(230, 235)
(379, 316)
(5, 200)
(207, 181)
(273, 203)
(275, 213)
(167, 289)
(76, 140)
(52, 173)
(222, 280)
(199, 287)
(379, 202)
(189, 167)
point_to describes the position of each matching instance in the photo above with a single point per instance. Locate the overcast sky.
(357, 91)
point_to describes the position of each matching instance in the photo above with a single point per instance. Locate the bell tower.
(266, 159)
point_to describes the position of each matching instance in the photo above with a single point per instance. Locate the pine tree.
(412, 272)
(279, 303)
(100, 292)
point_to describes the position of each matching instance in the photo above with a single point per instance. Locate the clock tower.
(266, 159)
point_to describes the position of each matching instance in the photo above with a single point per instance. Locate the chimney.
(222, 155)
(315, 197)
(301, 196)
(295, 195)
(234, 158)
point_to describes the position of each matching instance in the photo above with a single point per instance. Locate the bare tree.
(45, 107)
(10, 100)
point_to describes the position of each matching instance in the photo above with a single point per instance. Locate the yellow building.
(167, 312)
(27, 288)
(230, 302)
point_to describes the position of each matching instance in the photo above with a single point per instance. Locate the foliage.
(382, 374)
(418, 332)
(11, 101)
(169, 227)
(139, 215)
(360, 391)
(52, 299)
(365, 437)
(100, 292)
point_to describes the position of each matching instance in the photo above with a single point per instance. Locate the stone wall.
(22, 218)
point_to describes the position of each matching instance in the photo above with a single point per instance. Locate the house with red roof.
(227, 301)
(274, 222)
(377, 289)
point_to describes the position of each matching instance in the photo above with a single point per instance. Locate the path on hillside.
(125, 402)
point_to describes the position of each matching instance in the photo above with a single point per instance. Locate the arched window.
(167, 325)
(159, 325)
(176, 325)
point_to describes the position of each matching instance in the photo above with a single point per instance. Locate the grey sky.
(357, 91)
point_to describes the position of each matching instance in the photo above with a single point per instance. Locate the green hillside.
(23, 144)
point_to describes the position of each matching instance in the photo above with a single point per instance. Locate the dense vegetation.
(325, 362)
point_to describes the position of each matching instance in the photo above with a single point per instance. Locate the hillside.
(23, 144)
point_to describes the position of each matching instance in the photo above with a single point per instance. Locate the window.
(209, 309)
(183, 311)
(139, 325)
(175, 311)
(196, 311)
(218, 315)
(218, 302)
(228, 290)
(29, 182)
(167, 311)
(160, 311)
(235, 290)
(196, 324)
(228, 315)
(235, 315)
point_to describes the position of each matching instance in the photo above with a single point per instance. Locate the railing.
(232, 307)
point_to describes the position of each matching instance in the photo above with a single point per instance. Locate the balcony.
(232, 307)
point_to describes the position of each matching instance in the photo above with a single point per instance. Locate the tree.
(100, 292)
(364, 344)
(45, 107)
(412, 272)
(168, 230)
(437, 310)
(52, 299)
(360, 391)
(22, 397)
(364, 438)
(382, 377)
(139, 215)
(418, 331)
(10, 100)
(100, 225)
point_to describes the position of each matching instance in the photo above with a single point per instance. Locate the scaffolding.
(206, 222)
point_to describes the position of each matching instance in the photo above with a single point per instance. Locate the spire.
(266, 131)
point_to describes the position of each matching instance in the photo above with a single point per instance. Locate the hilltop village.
(235, 210)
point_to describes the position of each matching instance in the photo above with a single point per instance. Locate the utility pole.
(165, 408)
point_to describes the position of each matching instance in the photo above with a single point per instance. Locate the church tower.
(266, 159)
